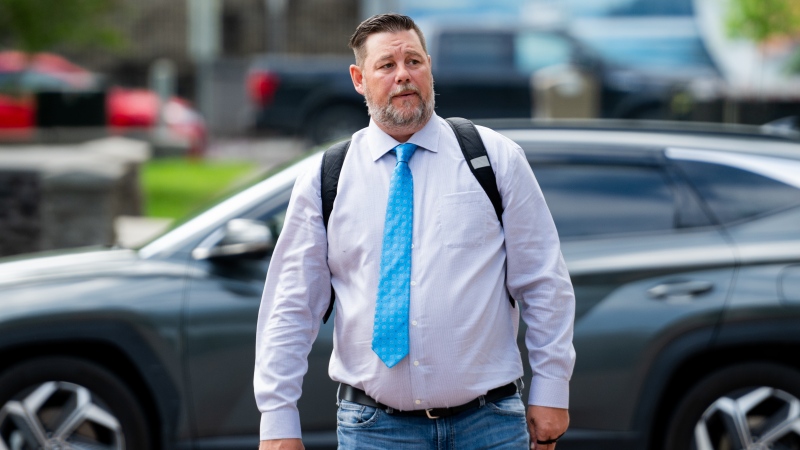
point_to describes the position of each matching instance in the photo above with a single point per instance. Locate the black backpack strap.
(478, 160)
(332, 161)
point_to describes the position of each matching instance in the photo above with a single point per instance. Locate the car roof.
(601, 136)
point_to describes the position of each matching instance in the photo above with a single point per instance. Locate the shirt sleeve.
(296, 296)
(537, 276)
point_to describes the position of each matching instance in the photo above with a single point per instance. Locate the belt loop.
(520, 385)
(338, 397)
(389, 410)
(482, 401)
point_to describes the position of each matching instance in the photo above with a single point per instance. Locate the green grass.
(175, 187)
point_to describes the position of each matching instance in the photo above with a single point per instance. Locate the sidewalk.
(268, 153)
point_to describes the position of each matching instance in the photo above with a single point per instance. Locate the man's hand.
(546, 424)
(281, 444)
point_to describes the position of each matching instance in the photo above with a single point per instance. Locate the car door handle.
(680, 289)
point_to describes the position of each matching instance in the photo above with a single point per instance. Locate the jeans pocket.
(354, 415)
(508, 406)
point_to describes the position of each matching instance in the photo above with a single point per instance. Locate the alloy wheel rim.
(58, 415)
(761, 418)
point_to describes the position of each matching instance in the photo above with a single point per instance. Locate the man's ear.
(358, 78)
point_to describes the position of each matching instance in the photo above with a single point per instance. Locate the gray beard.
(391, 117)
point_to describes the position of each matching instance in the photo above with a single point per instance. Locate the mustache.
(403, 89)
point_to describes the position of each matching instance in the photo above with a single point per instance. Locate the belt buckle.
(428, 413)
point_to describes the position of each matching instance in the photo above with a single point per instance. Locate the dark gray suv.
(683, 246)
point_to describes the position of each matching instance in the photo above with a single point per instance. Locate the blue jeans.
(498, 425)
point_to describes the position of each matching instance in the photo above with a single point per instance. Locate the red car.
(127, 109)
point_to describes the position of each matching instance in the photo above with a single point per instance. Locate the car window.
(475, 51)
(37, 81)
(735, 194)
(534, 51)
(589, 200)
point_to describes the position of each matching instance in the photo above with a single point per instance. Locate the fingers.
(546, 426)
(542, 444)
(539, 444)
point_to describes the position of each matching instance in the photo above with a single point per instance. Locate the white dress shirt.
(462, 327)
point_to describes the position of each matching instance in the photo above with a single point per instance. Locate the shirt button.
(413, 283)
(414, 323)
(416, 363)
(412, 245)
(417, 402)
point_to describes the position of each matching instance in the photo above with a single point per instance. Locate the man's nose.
(402, 75)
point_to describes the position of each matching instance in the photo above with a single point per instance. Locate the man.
(425, 335)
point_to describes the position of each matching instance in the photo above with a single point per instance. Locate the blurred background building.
(647, 35)
(153, 29)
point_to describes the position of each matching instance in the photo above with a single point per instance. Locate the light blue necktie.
(390, 333)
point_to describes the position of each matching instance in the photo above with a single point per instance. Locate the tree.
(39, 25)
(764, 20)
(760, 20)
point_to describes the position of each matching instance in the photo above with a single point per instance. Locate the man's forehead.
(382, 45)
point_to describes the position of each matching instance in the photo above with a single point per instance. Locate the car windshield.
(39, 81)
(607, 8)
(525, 52)
(657, 52)
(536, 50)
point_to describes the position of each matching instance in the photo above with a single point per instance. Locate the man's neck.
(400, 134)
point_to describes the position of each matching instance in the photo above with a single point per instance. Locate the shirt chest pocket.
(464, 219)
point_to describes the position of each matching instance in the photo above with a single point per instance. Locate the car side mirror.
(240, 238)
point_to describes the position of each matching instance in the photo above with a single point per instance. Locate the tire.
(753, 406)
(68, 403)
(335, 122)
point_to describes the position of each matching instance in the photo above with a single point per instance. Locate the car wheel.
(746, 407)
(68, 403)
(336, 122)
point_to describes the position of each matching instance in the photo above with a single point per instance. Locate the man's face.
(395, 79)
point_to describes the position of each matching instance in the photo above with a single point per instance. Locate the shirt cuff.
(548, 392)
(280, 424)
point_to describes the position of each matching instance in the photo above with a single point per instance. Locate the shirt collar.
(381, 143)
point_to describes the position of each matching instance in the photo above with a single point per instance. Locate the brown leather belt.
(355, 395)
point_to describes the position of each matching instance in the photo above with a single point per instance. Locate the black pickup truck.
(480, 72)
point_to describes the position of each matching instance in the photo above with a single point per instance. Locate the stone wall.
(54, 197)
(20, 218)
